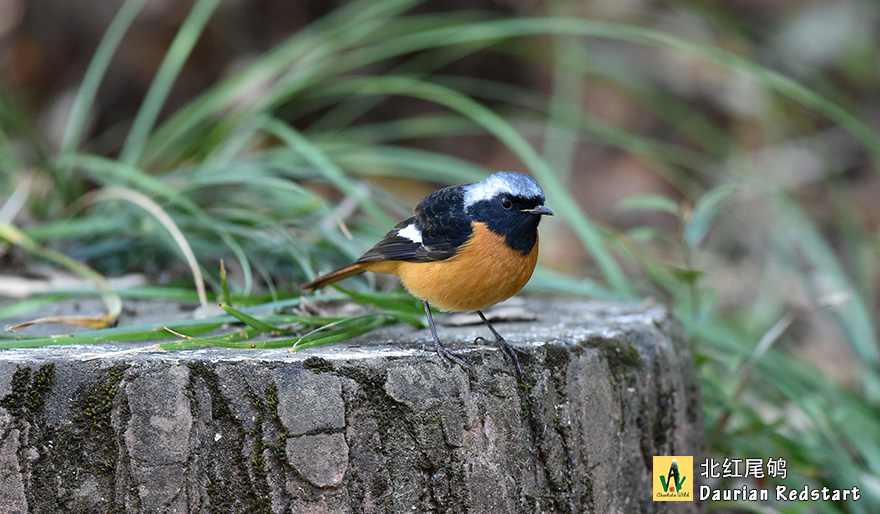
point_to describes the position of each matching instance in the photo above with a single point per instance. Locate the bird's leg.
(506, 348)
(445, 355)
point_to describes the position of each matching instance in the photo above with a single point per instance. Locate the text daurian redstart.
(466, 248)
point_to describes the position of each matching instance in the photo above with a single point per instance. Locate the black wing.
(393, 247)
(443, 224)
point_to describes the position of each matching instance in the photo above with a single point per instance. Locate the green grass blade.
(340, 330)
(179, 345)
(393, 301)
(9, 160)
(117, 173)
(561, 139)
(295, 60)
(112, 301)
(329, 169)
(177, 55)
(105, 336)
(344, 330)
(95, 72)
(404, 307)
(237, 339)
(852, 318)
(650, 203)
(260, 326)
(704, 213)
(225, 297)
(149, 330)
(29, 304)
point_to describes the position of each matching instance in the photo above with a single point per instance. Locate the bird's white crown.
(510, 182)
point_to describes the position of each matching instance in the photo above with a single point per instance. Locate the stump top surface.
(522, 322)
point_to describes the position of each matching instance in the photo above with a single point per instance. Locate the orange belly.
(486, 271)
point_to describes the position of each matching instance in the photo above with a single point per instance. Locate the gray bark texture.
(376, 425)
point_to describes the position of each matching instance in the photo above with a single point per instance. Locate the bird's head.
(510, 204)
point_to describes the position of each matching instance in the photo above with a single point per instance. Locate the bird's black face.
(512, 216)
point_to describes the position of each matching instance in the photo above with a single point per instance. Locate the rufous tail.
(348, 271)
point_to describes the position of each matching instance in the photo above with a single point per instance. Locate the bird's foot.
(508, 350)
(446, 356)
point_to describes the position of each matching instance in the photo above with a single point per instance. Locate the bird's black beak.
(539, 210)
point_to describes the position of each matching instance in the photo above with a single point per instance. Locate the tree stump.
(374, 425)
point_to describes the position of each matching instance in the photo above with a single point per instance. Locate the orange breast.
(486, 271)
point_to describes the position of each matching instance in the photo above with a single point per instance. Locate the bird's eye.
(506, 203)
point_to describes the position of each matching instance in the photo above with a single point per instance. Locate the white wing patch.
(410, 232)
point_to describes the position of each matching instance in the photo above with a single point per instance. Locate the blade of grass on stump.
(393, 301)
(348, 328)
(156, 330)
(105, 336)
(339, 331)
(251, 321)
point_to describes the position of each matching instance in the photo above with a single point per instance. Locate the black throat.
(523, 237)
(519, 229)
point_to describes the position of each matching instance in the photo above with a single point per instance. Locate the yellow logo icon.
(673, 478)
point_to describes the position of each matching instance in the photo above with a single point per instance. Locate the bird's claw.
(446, 356)
(508, 350)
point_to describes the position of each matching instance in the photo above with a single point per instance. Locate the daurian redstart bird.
(466, 248)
